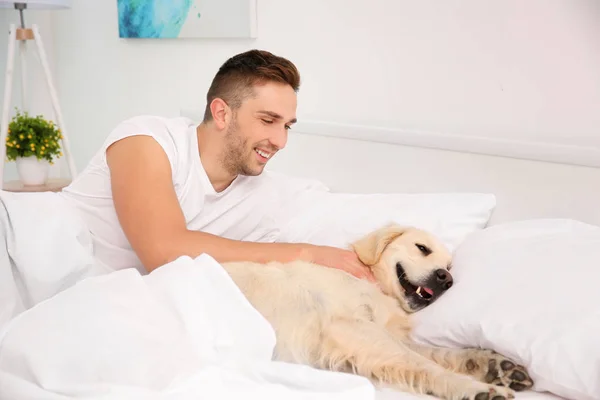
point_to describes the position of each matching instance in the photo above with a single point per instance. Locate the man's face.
(259, 128)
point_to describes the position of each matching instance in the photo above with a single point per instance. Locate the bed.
(524, 226)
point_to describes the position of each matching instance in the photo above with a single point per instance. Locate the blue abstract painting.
(168, 19)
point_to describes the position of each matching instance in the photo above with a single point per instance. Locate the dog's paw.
(496, 369)
(504, 372)
(488, 392)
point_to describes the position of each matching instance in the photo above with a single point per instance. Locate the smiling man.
(161, 188)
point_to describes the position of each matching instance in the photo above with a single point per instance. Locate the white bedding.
(183, 331)
(387, 394)
(180, 332)
(70, 327)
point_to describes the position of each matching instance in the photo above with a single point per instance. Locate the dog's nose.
(444, 278)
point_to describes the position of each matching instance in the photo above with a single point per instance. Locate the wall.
(477, 68)
(498, 68)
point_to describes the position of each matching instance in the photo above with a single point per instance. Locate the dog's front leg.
(484, 365)
(370, 351)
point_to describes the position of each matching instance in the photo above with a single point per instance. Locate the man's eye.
(266, 121)
(288, 127)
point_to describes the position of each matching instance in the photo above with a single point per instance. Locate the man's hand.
(346, 260)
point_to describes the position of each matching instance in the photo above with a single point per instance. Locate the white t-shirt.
(244, 211)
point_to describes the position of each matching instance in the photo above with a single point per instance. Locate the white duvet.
(69, 327)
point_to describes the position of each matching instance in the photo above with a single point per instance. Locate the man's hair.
(235, 79)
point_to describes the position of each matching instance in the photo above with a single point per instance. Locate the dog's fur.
(326, 318)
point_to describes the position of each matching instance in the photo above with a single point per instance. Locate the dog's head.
(409, 264)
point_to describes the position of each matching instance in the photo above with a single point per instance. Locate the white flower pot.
(32, 171)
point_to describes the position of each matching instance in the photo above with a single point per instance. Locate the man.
(162, 188)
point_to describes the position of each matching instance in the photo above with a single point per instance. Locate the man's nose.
(280, 139)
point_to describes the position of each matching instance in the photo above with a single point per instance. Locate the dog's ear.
(370, 247)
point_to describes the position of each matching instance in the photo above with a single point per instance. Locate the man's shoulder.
(168, 131)
(155, 122)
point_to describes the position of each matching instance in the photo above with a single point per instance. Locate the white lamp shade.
(37, 4)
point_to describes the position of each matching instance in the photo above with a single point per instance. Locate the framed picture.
(170, 19)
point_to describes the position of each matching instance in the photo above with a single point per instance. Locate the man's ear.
(370, 247)
(220, 111)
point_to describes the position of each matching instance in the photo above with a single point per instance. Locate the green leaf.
(36, 132)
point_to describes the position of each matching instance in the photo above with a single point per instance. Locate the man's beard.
(235, 159)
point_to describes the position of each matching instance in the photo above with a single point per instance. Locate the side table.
(53, 185)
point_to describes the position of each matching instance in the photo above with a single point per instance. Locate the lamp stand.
(23, 34)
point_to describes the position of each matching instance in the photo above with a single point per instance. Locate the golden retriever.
(328, 319)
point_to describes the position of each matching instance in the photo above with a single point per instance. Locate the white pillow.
(528, 290)
(337, 219)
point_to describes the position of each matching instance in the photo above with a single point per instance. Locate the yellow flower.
(60, 154)
(21, 136)
(9, 144)
(14, 142)
(43, 147)
(18, 146)
(28, 136)
(42, 152)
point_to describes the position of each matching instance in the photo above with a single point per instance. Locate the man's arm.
(151, 217)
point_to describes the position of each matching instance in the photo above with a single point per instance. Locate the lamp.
(24, 34)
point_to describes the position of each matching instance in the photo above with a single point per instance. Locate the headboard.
(530, 180)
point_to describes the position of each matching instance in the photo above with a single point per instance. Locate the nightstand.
(53, 185)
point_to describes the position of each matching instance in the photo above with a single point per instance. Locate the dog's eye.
(424, 249)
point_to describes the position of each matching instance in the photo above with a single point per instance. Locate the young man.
(162, 188)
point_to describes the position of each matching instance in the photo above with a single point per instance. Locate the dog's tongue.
(427, 290)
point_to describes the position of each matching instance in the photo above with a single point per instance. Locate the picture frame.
(185, 19)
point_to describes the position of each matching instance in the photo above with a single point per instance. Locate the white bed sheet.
(387, 394)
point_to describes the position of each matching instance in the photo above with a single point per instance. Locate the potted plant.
(33, 143)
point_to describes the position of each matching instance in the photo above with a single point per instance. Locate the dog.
(328, 319)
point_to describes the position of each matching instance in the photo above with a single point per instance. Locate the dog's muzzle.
(419, 295)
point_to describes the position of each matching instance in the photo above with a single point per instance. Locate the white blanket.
(44, 248)
(69, 327)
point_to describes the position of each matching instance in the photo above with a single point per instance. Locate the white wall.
(505, 68)
(496, 68)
